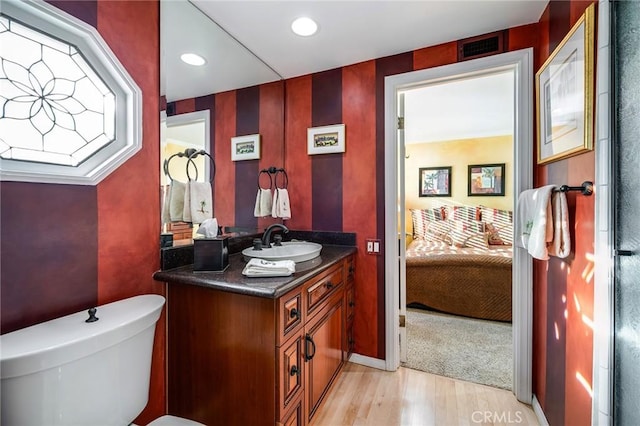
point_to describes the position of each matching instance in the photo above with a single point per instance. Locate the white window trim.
(128, 139)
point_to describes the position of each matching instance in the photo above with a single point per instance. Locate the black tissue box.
(210, 254)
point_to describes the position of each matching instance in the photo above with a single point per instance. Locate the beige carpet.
(474, 350)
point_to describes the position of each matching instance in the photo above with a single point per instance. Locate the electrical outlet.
(373, 246)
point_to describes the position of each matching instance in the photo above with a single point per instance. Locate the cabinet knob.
(352, 303)
(294, 371)
(329, 285)
(294, 314)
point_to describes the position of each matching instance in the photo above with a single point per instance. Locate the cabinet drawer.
(295, 417)
(322, 287)
(289, 314)
(290, 372)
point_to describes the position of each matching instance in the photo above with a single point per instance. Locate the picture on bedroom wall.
(486, 179)
(434, 181)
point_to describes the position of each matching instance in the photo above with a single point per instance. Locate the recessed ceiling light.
(304, 26)
(193, 59)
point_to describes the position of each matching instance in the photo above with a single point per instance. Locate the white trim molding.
(522, 63)
(123, 143)
(367, 361)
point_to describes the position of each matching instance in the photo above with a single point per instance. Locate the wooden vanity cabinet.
(240, 359)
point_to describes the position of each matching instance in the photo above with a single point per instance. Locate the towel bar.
(586, 188)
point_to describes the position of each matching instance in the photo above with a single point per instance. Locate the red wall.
(66, 247)
(563, 288)
(75, 246)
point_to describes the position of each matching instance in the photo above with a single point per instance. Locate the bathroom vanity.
(258, 351)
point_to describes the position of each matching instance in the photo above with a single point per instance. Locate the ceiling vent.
(484, 45)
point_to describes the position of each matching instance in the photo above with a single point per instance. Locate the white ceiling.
(250, 42)
(476, 107)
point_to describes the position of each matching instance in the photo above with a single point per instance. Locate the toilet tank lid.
(69, 338)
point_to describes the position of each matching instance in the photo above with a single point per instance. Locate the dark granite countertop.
(232, 279)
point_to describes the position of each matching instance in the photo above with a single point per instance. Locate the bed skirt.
(472, 285)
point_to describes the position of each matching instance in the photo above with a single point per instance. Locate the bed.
(452, 268)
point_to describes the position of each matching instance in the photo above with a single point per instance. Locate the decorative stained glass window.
(66, 103)
(53, 106)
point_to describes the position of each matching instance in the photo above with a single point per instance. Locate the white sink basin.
(298, 251)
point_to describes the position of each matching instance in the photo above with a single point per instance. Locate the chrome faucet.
(266, 237)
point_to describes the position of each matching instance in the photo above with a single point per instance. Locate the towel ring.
(285, 179)
(187, 153)
(193, 155)
(270, 179)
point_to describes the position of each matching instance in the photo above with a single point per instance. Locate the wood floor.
(367, 396)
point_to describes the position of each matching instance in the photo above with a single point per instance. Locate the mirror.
(184, 28)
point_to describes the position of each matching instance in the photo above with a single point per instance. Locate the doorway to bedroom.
(472, 177)
(458, 195)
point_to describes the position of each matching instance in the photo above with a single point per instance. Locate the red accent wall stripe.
(326, 169)
(563, 289)
(435, 56)
(360, 198)
(272, 133)
(297, 162)
(204, 103)
(247, 123)
(128, 199)
(225, 175)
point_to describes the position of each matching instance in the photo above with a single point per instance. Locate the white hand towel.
(535, 223)
(274, 204)
(560, 246)
(284, 208)
(186, 207)
(259, 267)
(200, 201)
(166, 204)
(176, 200)
(264, 203)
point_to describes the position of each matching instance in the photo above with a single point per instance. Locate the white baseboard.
(537, 409)
(367, 361)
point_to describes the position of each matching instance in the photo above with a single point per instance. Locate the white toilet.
(71, 372)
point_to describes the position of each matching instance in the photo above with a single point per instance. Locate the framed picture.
(325, 139)
(434, 181)
(486, 179)
(245, 147)
(564, 94)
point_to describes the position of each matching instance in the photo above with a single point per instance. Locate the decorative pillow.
(419, 228)
(428, 224)
(468, 233)
(465, 213)
(493, 236)
(502, 225)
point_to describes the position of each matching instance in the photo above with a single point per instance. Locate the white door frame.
(521, 62)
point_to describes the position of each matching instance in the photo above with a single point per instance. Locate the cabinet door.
(290, 372)
(323, 348)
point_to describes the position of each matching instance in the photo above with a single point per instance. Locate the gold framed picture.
(564, 94)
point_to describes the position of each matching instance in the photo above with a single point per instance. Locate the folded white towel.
(560, 246)
(281, 207)
(264, 203)
(261, 267)
(186, 206)
(535, 223)
(166, 204)
(200, 201)
(176, 200)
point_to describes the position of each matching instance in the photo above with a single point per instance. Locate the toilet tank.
(70, 372)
